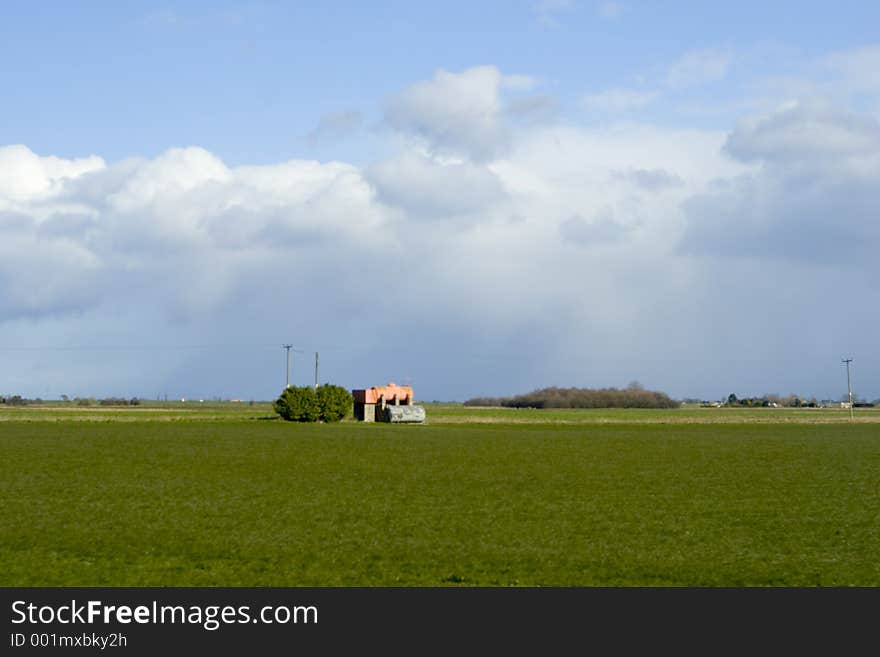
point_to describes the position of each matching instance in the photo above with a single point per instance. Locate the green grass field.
(219, 495)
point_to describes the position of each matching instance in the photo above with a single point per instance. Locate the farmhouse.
(388, 403)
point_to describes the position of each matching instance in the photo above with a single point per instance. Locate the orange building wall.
(372, 395)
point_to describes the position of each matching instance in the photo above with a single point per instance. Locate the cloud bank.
(485, 255)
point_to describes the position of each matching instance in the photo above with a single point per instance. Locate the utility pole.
(848, 386)
(316, 371)
(287, 376)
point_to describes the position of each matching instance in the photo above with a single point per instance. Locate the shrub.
(329, 403)
(334, 402)
(298, 404)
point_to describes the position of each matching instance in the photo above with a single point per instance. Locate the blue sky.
(250, 81)
(476, 198)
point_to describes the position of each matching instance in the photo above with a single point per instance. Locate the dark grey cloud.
(805, 131)
(813, 200)
(821, 217)
(43, 277)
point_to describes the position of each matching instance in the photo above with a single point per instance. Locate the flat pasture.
(229, 497)
(457, 413)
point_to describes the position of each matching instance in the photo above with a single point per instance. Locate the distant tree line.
(633, 396)
(18, 400)
(787, 401)
(119, 401)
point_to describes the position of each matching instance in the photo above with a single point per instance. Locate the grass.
(146, 412)
(457, 413)
(607, 500)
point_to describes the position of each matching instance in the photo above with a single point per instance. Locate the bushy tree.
(329, 403)
(298, 404)
(334, 402)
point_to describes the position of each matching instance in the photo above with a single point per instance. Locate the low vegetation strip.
(251, 503)
(148, 412)
(448, 413)
(694, 414)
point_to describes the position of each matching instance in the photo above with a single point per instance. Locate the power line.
(141, 347)
(153, 347)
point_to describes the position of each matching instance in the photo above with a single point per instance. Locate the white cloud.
(653, 179)
(426, 187)
(619, 100)
(184, 213)
(171, 175)
(518, 82)
(27, 176)
(458, 113)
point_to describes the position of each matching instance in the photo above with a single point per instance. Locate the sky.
(472, 198)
